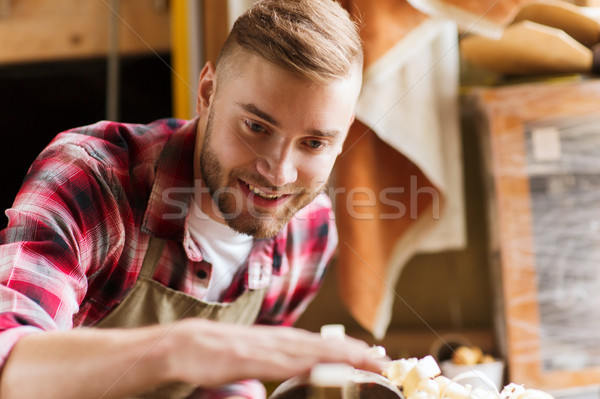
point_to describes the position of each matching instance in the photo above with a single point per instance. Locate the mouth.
(262, 194)
(262, 197)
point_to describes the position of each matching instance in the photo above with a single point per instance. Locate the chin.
(257, 230)
(256, 223)
(257, 227)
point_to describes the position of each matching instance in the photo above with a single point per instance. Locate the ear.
(206, 88)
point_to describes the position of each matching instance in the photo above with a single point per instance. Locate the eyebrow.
(253, 109)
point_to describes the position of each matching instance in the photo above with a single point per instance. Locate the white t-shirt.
(221, 246)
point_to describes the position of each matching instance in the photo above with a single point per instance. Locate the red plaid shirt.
(79, 228)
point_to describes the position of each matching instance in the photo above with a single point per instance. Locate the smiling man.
(268, 139)
(166, 260)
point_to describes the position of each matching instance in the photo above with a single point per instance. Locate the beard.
(239, 210)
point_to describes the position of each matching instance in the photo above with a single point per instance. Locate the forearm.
(86, 363)
(98, 363)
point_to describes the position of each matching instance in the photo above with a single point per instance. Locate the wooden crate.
(542, 150)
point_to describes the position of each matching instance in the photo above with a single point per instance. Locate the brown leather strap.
(155, 247)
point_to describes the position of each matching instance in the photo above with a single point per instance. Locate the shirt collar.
(173, 185)
(267, 259)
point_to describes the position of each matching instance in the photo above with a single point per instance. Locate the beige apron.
(150, 302)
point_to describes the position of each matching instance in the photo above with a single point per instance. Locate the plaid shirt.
(79, 228)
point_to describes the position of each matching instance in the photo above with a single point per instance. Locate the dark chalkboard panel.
(563, 165)
(39, 100)
(542, 152)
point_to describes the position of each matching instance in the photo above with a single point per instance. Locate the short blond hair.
(316, 39)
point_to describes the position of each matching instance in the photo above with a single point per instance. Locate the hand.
(207, 353)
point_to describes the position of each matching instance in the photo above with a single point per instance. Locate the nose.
(279, 168)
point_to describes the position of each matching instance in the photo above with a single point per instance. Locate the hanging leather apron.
(149, 302)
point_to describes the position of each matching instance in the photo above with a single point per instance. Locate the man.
(164, 235)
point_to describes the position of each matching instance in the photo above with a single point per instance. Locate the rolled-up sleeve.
(57, 232)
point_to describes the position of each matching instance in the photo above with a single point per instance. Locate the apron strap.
(155, 247)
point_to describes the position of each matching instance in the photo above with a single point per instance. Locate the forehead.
(245, 66)
(289, 98)
(236, 62)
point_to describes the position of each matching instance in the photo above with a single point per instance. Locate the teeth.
(261, 194)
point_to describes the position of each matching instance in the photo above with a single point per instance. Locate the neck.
(206, 204)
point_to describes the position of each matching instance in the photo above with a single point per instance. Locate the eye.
(315, 144)
(255, 127)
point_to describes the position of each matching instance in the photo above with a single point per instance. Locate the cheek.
(231, 150)
(315, 172)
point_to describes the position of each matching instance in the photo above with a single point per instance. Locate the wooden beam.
(215, 27)
(43, 30)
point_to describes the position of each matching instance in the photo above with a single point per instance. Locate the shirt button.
(201, 274)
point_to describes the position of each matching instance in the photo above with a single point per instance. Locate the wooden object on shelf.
(45, 30)
(482, 17)
(541, 144)
(523, 50)
(564, 16)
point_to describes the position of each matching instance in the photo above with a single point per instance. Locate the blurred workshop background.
(483, 114)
